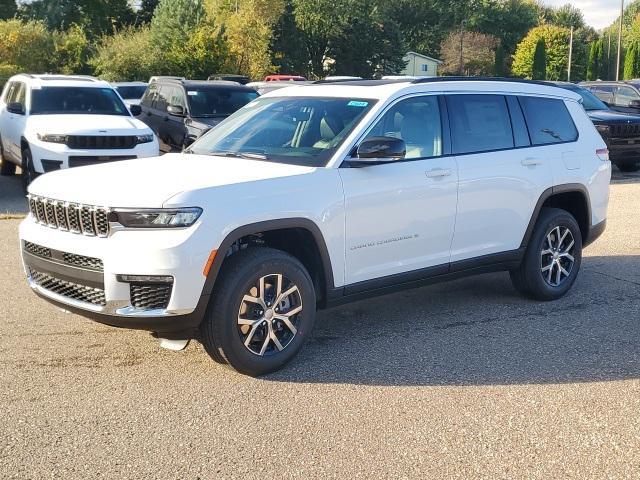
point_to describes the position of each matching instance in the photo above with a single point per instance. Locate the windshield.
(217, 102)
(132, 92)
(301, 131)
(589, 100)
(77, 100)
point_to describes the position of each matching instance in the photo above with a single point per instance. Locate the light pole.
(570, 55)
(619, 40)
(461, 39)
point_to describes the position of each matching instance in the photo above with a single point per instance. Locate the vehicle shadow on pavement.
(480, 331)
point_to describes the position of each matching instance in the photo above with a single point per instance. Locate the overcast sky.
(597, 13)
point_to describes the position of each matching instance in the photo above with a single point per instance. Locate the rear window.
(479, 123)
(548, 120)
(131, 92)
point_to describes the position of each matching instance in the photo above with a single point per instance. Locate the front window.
(77, 100)
(131, 92)
(217, 102)
(301, 131)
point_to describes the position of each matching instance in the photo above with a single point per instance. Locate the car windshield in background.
(300, 131)
(132, 92)
(77, 100)
(589, 100)
(217, 102)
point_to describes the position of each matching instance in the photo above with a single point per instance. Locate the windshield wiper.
(249, 155)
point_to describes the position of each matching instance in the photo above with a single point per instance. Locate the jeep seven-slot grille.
(67, 289)
(68, 216)
(101, 142)
(150, 295)
(625, 130)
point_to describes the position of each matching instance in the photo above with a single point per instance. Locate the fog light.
(145, 278)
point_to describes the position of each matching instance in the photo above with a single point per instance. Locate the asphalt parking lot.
(460, 380)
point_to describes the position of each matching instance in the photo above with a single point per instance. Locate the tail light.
(603, 154)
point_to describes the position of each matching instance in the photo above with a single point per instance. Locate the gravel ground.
(461, 380)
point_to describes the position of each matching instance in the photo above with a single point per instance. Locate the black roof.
(205, 83)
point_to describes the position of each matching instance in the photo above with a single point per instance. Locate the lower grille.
(83, 161)
(67, 289)
(150, 295)
(82, 261)
(37, 250)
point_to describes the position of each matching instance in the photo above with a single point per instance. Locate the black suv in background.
(621, 96)
(180, 111)
(620, 131)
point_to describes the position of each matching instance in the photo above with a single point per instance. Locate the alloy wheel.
(557, 256)
(268, 315)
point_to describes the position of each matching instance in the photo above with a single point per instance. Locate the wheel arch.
(309, 247)
(572, 197)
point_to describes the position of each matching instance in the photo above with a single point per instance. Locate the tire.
(28, 171)
(7, 168)
(239, 332)
(628, 166)
(533, 278)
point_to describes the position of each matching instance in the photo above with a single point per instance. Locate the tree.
(539, 68)
(593, 67)
(145, 13)
(72, 51)
(174, 21)
(556, 41)
(8, 9)
(478, 53)
(568, 16)
(25, 47)
(118, 56)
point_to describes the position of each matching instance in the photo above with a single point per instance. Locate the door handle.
(438, 172)
(531, 161)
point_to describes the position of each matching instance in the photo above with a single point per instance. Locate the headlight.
(145, 138)
(52, 138)
(603, 130)
(160, 218)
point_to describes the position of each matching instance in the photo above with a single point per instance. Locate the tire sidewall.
(550, 220)
(28, 172)
(226, 317)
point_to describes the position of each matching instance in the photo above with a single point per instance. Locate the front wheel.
(553, 257)
(262, 311)
(28, 171)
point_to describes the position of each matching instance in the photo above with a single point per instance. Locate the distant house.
(420, 65)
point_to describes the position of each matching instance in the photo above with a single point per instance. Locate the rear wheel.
(261, 313)
(628, 165)
(6, 167)
(553, 257)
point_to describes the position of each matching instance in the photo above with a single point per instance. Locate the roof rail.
(480, 79)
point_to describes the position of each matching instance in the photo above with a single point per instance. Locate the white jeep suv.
(49, 122)
(321, 194)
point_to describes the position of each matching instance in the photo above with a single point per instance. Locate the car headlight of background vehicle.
(52, 138)
(145, 138)
(158, 218)
(603, 130)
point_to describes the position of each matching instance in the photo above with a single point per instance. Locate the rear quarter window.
(548, 120)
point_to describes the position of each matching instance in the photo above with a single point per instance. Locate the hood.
(611, 116)
(85, 124)
(205, 123)
(150, 182)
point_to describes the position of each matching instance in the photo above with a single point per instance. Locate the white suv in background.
(50, 122)
(321, 194)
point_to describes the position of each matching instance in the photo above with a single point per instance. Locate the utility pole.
(461, 40)
(619, 41)
(609, 57)
(570, 55)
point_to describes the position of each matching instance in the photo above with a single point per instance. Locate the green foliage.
(539, 68)
(145, 14)
(72, 51)
(556, 40)
(568, 16)
(26, 47)
(119, 56)
(8, 9)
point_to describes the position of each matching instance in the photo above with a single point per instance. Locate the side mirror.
(135, 110)
(377, 150)
(634, 104)
(176, 110)
(15, 107)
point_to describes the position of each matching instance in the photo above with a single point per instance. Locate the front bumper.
(82, 274)
(52, 156)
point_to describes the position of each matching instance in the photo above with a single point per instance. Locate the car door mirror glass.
(15, 107)
(381, 149)
(135, 110)
(176, 110)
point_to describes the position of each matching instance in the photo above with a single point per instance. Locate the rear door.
(500, 177)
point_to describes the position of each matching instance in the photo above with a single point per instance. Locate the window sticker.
(191, 93)
(355, 103)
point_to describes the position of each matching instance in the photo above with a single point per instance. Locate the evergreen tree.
(8, 9)
(539, 69)
(593, 67)
(147, 7)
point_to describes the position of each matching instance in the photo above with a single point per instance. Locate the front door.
(400, 216)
